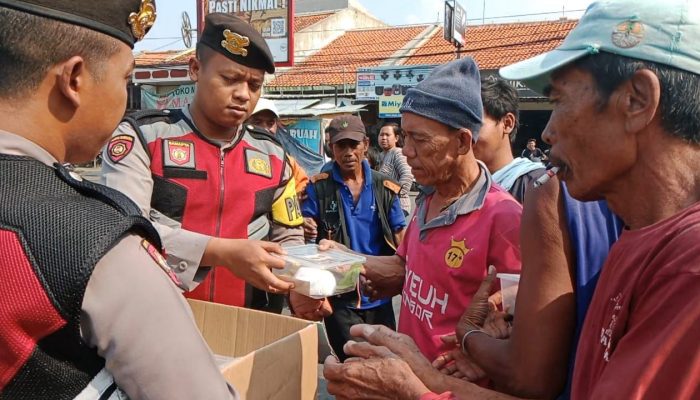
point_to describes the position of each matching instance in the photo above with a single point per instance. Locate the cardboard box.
(276, 357)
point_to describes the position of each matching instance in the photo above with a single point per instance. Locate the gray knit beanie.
(451, 95)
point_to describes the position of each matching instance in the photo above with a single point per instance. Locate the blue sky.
(165, 35)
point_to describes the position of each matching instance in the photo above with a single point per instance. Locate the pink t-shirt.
(641, 336)
(445, 267)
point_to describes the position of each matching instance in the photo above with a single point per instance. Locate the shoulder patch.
(394, 187)
(160, 260)
(319, 177)
(119, 147)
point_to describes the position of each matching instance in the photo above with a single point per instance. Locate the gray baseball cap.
(666, 32)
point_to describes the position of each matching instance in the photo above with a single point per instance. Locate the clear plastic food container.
(320, 274)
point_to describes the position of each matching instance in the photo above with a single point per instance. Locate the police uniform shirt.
(132, 176)
(138, 320)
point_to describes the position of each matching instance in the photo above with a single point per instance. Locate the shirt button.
(182, 266)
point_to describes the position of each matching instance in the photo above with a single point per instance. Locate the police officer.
(88, 308)
(204, 179)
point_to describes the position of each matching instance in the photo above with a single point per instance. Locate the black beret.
(237, 40)
(126, 20)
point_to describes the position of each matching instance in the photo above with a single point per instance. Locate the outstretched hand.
(250, 260)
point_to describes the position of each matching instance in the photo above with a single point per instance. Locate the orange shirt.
(300, 177)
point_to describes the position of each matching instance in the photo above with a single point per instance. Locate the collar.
(223, 144)
(366, 171)
(465, 204)
(16, 145)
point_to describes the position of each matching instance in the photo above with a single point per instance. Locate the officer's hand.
(309, 308)
(250, 260)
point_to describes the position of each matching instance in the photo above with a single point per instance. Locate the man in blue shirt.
(359, 207)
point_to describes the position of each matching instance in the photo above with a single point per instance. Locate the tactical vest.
(53, 231)
(220, 193)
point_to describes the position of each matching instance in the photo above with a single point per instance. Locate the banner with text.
(308, 133)
(178, 98)
(388, 85)
(274, 19)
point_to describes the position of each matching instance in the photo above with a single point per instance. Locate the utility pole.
(483, 13)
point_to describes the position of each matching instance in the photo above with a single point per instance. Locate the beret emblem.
(142, 21)
(235, 43)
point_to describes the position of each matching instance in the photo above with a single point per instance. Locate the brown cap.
(346, 127)
(237, 40)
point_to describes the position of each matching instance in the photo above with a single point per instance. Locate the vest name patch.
(178, 153)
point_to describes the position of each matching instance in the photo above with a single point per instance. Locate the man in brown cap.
(359, 207)
(88, 310)
(206, 180)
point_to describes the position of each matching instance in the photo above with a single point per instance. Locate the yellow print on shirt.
(455, 254)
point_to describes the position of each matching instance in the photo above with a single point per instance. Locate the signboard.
(459, 25)
(447, 28)
(524, 92)
(308, 133)
(455, 28)
(178, 98)
(388, 85)
(274, 19)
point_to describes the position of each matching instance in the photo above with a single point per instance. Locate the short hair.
(398, 132)
(204, 52)
(500, 98)
(31, 44)
(532, 140)
(680, 90)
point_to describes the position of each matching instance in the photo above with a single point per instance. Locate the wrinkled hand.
(498, 323)
(475, 315)
(457, 364)
(250, 260)
(309, 308)
(384, 377)
(310, 229)
(380, 337)
(382, 281)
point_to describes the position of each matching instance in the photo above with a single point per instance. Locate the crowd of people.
(201, 201)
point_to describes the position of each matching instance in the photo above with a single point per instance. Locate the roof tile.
(496, 45)
(336, 63)
(303, 21)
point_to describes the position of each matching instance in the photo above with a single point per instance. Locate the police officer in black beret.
(89, 307)
(209, 183)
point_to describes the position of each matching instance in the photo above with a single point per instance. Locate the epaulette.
(319, 177)
(261, 133)
(393, 186)
(146, 117)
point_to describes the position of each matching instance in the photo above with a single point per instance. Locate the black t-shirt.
(534, 155)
